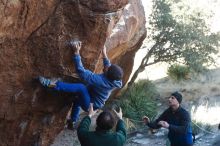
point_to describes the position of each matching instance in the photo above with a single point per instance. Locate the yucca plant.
(139, 100)
(178, 72)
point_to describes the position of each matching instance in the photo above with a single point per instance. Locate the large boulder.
(33, 37)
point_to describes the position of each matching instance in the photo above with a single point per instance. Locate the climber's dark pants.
(83, 101)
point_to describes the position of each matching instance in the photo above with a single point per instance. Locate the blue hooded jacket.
(99, 86)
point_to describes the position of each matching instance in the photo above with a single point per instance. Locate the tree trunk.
(143, 64)
(135, 75)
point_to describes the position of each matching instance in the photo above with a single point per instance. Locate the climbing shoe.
(47, 82)
(71, 125)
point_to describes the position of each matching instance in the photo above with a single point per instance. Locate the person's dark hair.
(114, 72)
(105, 121)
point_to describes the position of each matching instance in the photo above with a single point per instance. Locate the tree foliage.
(183, 37)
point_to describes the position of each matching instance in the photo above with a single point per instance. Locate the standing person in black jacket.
(177, 120)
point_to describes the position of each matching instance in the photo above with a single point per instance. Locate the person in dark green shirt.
(103, 135)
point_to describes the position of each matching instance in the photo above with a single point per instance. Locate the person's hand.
(119, 114)
(75, 45)
(145, 119)
(104, 54)
(91, 111)
(164, 124)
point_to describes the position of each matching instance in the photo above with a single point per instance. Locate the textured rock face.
(33, 36)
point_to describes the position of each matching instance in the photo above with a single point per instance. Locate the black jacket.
(180, 131)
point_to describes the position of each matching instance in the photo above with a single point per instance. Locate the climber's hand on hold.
(75, 45)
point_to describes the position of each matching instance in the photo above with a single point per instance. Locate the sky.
(159, 70)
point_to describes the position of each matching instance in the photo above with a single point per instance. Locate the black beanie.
(114, 72)
(178, 96)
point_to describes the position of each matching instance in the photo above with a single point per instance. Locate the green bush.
(178, 72)
(139, 100)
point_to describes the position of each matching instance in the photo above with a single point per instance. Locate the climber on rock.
(98, 86)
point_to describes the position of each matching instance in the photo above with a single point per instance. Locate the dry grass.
(196, 88)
